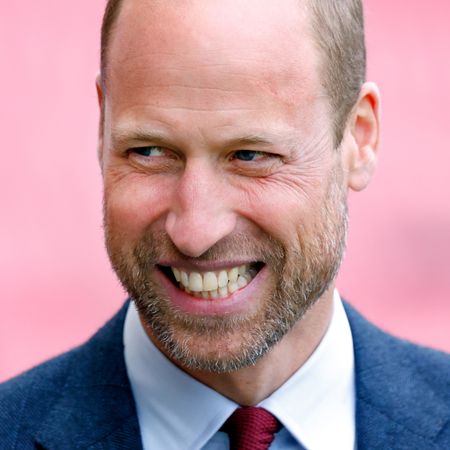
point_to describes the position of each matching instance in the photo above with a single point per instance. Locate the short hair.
(338, 32)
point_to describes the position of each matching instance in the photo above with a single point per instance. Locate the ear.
(101, 104)
(363, 137)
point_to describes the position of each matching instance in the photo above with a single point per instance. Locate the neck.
(251, 385)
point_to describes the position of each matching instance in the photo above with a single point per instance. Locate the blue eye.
(150, 150)
(247, 155)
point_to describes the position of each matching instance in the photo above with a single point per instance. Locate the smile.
(213, 284)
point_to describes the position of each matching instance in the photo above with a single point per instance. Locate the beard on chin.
(300, 272)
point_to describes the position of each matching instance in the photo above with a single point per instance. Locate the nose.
(200, 214)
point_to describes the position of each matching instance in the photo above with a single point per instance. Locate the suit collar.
(94, 407)
(391, 408)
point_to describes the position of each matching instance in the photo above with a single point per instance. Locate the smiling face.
(225, 201)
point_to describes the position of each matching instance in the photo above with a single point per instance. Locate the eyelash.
(249, 153)
(263, 164)
(141, 150)
(259, 154)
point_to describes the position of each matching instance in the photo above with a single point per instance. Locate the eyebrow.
(248, 140)
(123, 136)
(139, 135)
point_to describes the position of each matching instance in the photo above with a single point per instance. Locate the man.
(230, 133)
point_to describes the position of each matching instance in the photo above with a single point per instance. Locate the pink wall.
(56, 286)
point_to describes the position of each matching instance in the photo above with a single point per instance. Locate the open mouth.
(212, 284)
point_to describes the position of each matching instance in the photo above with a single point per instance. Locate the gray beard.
(301, 275)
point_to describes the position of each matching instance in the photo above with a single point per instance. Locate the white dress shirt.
(316, 405)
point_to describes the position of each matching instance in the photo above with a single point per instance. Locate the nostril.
(194, 232)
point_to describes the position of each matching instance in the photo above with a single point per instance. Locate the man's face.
(220, 172)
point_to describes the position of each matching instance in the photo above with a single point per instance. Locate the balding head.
(338, 32)
(217, 151)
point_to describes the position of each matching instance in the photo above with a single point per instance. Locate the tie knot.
(251, 428)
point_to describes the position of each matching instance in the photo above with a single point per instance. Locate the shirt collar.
(177, 411)
(174, 409)
(317, 404)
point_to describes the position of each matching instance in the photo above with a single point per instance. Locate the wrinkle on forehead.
(198, 56)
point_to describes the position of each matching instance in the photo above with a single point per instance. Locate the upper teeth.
(215, 284)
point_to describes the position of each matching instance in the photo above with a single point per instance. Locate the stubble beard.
(300, 273)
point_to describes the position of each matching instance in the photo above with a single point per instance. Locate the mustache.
(157, 246)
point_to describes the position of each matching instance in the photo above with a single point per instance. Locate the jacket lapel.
(395, 408)
(94, 408)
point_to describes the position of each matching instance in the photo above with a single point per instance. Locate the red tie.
(251, 428)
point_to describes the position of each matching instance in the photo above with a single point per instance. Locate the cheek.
(134, 203)
(283, 209)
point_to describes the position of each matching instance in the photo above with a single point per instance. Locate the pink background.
(56, 286)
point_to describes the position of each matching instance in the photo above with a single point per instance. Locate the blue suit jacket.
(83, 400)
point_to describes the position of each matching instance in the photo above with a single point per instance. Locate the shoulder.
(406, 386)
(375, 348)
(26, 399)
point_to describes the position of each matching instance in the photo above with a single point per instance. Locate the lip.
(240, 301)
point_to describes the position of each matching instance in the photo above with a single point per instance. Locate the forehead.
(204, 55)
(210, 22)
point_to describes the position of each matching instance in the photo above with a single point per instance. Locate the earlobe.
(364, 130)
